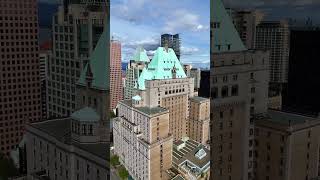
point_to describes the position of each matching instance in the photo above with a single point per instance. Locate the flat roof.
(146, 110)
(61, 130)
(199, 99)
(178, 177)
(188, 153)
(287, 118)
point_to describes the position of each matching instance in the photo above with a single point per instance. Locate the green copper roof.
(141, 55)
(225, 35)
(99, 64)
(136, 98)
(86, 114)
(161, 67)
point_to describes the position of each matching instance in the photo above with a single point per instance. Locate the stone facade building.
(76, 147)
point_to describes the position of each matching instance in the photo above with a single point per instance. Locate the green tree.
(123, 173)
(112, 115)
(114, 160)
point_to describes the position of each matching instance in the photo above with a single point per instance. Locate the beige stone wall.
(160, 160)
(298, 152)
(304, 159)
(159, 127)
(177, 106)
(198, 121)
(271, 147)
(228, 143)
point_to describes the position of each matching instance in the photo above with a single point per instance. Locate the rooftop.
(178, 177)
(226, 37)
(285, 118)
(60, 129)
(161, 66)
(141, 55)
(190, 152)
(146, 110)
(199, 99)
(98, 63)
(86, 114)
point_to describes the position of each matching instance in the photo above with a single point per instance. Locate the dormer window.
(229, 47)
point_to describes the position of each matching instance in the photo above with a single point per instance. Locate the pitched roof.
(224, 32)
(86, 114)
(161, 67)
(141, 55)
(99, 64)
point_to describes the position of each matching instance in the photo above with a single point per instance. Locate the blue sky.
(141, 22)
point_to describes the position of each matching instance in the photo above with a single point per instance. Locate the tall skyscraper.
(133, 71)
(301, 95)
(45, 55)
(173, 42)
(20, 94)
(116, 91)
(76, 27)
(158, 115)
(245, 22)
(274, 36)
(239, 92)
(195, 73)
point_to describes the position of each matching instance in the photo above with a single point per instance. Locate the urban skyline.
(142, 22)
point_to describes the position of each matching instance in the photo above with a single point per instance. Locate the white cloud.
(183, 20)
(149, 43)
(151, 52)
(189, 50)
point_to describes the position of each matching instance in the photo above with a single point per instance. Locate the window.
(90, 129)
(224, 91)
(253, 90)
(214, 92)
(234, 90)
(221, 114)
(235, 77)
(251, 76)
(84, 130)
(88, 168)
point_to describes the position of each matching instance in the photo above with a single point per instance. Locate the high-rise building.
(45, 55)
(239, 92)
(274, 36)
(115, 74)
(286, 146)
(245, 22)
(133, 71)
(76, 28)
(20, 92)
(195, 73)
(187, 69)
(149, 122)
(76, 147)
(173, 42)
(301, 95)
